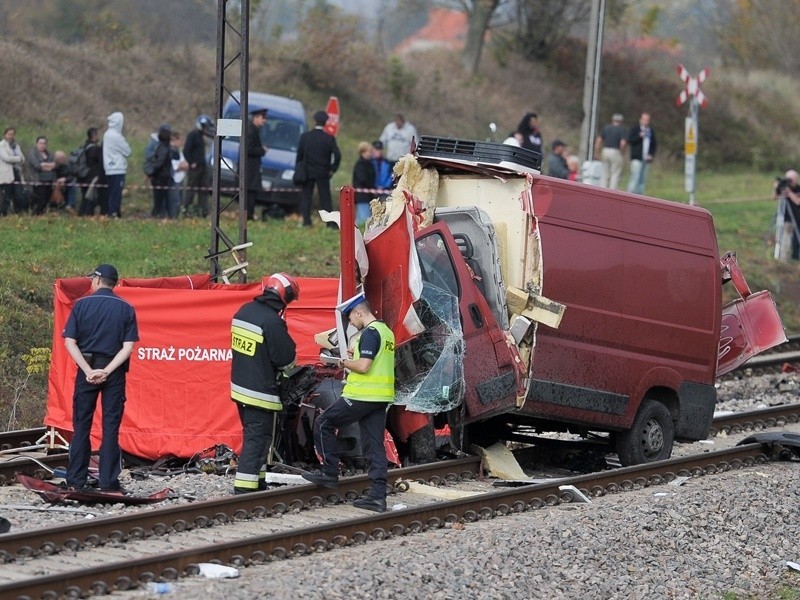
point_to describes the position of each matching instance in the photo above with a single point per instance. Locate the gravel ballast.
(729, 533)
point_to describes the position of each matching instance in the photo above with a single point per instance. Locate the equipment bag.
(77, 163)
(150, 166)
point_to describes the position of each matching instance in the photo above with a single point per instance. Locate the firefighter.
(368, 392)
(262, 350)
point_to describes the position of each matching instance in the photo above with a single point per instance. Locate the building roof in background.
(445, 28)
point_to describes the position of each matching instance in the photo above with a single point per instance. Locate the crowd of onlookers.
(610, 145)
(43, 179)
(90, 179)
(372, 172)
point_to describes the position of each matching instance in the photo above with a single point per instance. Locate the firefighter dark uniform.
(262, 348)
(365, 399)
(100, 324)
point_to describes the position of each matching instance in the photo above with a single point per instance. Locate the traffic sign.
(692, 86)
(690, 137)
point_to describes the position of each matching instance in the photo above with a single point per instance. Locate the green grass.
(744, 212)
(37, 251)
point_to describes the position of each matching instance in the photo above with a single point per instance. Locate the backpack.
(77, 162)
(150, 167)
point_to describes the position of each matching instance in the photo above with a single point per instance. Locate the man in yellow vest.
(368, 392)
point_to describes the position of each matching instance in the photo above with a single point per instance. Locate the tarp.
(178, 392)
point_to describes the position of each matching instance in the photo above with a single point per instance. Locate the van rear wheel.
(650, 437)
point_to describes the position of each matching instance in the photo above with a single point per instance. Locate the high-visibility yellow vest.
(377, 384)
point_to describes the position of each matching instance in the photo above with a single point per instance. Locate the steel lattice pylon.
(230, 53)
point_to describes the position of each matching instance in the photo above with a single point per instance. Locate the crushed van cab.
(523, 304)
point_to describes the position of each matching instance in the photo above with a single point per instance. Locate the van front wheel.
(650, 437)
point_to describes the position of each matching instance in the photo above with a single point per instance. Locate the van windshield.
(276, 133)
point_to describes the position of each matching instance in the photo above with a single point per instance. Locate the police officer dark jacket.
(261, 347)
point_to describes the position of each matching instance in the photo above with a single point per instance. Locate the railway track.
(41, 465)
(239, 532)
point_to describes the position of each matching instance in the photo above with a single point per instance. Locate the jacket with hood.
(115, 147)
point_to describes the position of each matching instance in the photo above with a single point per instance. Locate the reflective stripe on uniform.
(246, 481)
(245, 337)
(256, 332)
(291, 365)
(254, 398)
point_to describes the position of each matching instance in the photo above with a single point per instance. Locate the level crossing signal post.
(697, 100)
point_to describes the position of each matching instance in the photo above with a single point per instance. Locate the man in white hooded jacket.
(115, 161)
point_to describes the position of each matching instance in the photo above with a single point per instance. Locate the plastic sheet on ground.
(430, 368)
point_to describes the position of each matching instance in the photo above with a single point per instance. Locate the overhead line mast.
(230, 53)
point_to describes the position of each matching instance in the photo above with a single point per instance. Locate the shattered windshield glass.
(430, 368)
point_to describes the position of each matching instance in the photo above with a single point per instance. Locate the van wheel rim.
(652, 438)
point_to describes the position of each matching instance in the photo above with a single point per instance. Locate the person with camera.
(787, 192)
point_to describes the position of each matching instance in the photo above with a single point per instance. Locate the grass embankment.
(37, 251)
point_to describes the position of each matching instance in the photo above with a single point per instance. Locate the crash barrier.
(178, 392)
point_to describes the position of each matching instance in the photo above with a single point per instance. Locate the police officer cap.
(349, 305)
(258, 111)
(105, 271)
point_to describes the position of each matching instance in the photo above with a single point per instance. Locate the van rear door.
(750, 324)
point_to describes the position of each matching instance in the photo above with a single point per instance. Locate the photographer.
(787, 192)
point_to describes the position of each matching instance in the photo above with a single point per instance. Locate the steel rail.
(38, 466)
(19, 438)
(160, 521)
(762, 418)
(298, 542)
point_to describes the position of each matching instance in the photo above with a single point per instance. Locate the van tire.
(422, 445)
(650, 437)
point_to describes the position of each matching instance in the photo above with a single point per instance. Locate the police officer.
(262, 348)
(198, 180)
(368, 392)
(255, 150)
(99, 336)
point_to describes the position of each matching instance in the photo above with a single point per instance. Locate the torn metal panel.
(500, 462)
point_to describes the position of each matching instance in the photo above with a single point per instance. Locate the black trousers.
(6, 198)
(197, 183)
(42, 192)
(371, 418)
(257, 433)
(323, 189)
(251, 204)
(84, 402)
